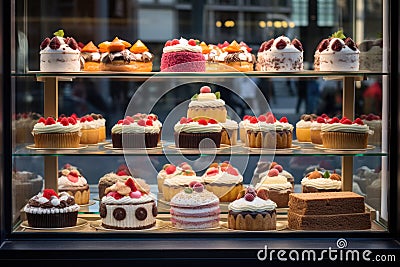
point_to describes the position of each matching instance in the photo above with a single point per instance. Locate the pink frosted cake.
(182, 56)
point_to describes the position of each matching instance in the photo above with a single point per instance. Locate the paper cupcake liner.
(342, 140)
(193, 140)
(303, 134)
(89, 136)
(316, 137)
(271, 140)
(57, 140)
(58, 220)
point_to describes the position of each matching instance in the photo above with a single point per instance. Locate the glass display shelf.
(169, 149)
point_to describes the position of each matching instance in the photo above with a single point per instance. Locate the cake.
(303, 127)
(328, 211)
(318, 181)
(224, 180)
(134, 133)
(211, 54)
(170, 170)
(182, 56)
(280, 55)
(374, 193)
(315, 129)
(51, 210)
(120, 55)
(49, 133)
(263, 167)
(111, 178)
(100, 122)
(277, 186)
(91, 56)
(374, 122)
(194, 134)
(371, 54)
(229, 134)
(345, 134)
(243, 125)
(126, 207)
(23, 126)
(338, 53)
(90, 130)
(195, 208)
(234, 56)
(71, 181)
(252, 211)
(177, 183)
(266, 132)
(60, 54)
(207, 105)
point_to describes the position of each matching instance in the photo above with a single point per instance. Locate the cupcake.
(195, 208)
(133, 133)
(176, 184)
(23, 126)
(303, 127)
(374, 122)
(318, 181)
(100, 121)
(280, 55)
(91, 56)
(60, 54)
(264, 167)
(51, 210)
(252, 211)
(243, 125)
(90, 130)
(223, 180)
(71, 181)
(170, 170)
(190, 134)
(345, 134)
(63, 133)
(229, 134)
(277, 186)
(315, 129)
(182, 56)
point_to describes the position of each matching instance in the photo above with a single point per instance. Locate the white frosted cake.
(281, 54)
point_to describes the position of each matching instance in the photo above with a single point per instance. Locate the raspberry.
(149, 123)
(83, 119)
(131, 184)
(64, 122)
(122, 173)
(253, 120)
(232, 171)
(50, 121)
(192, 42)
(141, 123)
(48, 193)
(170, 169)
(42, 120)
(198, 187)
(251, 190)
(55, 43)
(358, 121)
(337, 46)
(262, 118)
(192, 183)
(168, 43)
(183, 120)
(89, 118)
(273, 172)
(249, 197)
(189, 120)
(126, 122)
(202, 122)
(246, 117)
(324, 116)
(71, 120)
(212, 172)
(343, 119)
(320, 120)
(175, 42)
(284, 120)
(270, 119)
(297, 44)
(281, 44)
(72, 43)
(205, 89)
(323, 45)
(334, 120)
(347, 121)
(278, 167)
(45, 43)
(212, 121)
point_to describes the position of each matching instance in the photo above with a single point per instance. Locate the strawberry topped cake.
(374, 122)
(280, 55)
(60, 54)
(194, 134)
(263, 168)
(170, 170)
(315, 129)
(126, 206)
(224, 180)
(63, 133)
(135, 133)
(71, 180)
(91, 56)
(182, 56)
(177, 183)
(345, 134)
(89, 130)
(337, 53)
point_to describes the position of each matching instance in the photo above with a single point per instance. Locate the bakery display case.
(123, 122)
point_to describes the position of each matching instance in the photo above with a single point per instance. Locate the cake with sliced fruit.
(120, 55)
(177, 183)
(235, 57)
(374, 123)
(204, 133)
(252, 211)
(63, 133)
(111, 178)
(280, 55)
(71, 181)
(263, 167)
(224, 180)
(135, 133)
(337, 53)
(60, 54)
(91, 57)
(195, 208)
(265, 131)
(48, 209)
(169, 171)
(315, 129)
(345, 134)
(126, 206)
(182, 56)
(319, 181)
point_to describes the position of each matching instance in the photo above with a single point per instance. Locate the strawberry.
(266, 45)
(149, 122)
(71, 120)
(126, 122)
(296, 43)
(129, 118)
(249, 197)
(343, 119)
(42, 120)
(232, 171)
(337, 46)
(333, 120)
(131, 184)
(48, 193)
(64, 122)
(270, 119)
(350, 43)
(273, 172)
(72, 178)
(55, 43)
(281, 44)
(212, 172)
(346, 121)
(168, 43)
(141, 123)
(246, 117)
(324, 116)
(170, 169)
(122, 173)
(83, 119)
(175, 42)
(320, 120)
(192, 42)
(202, 122)
(189, 120)
(205, 90)
(284, 120)
(153, 118)
(183, 120)
(278, 167)
(358, 121)
(212, 121)
(262, 118)
(50, 121)
(323, 45)
(192, 183)
(120, 122)
(185, 166)
(253, 120)
(198, 187)
(89, 118)
(370, 117)
(45, 43)
(72, 43)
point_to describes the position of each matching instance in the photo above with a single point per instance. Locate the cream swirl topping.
(230, 125)
(322, 183)
(207, 103)
(134, 128)
(89, 125)
(340, 127)
(181, 180)
(289, 48)
(261, 127)
(195, 127)
(345, 49)
(222, 178)
(316, 125)
(64, 182)
(64, 48)
(41, 128)
(257, 205)
(126, 200)
(303, 124)
(182, 46)
(164, 175)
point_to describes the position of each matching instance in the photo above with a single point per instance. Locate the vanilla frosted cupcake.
(243, 125)
(315, 129)
(176, 184)
(70, 180)
(229, 134)
(90, 130)
(303, 128)
(170, 170)
(100, 122)
(318, 181)
(223, 180)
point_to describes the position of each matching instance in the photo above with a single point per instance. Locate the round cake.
(109, 179)
(229, 134)
(230, 57)
(91, 56)
(303, 128)
(71, 181)
(315, 129)
(263, 168)
(127, 207)
(195, 208)
(170, 170)
(177, 183)
(51, 210)
(318, 181)
(252, 211)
